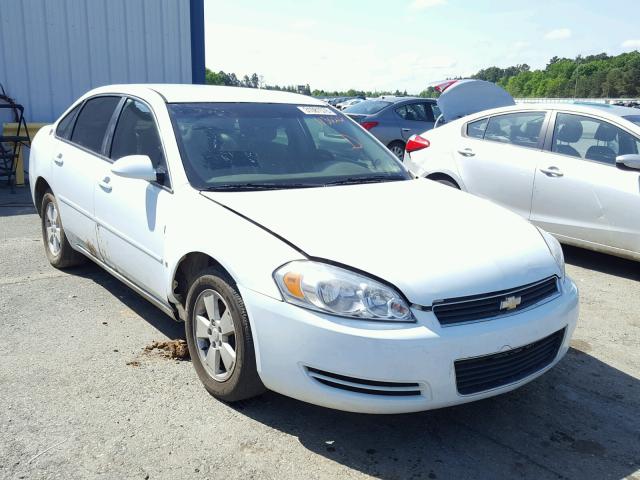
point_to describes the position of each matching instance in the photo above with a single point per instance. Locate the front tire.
(57, 247)
(220, 339)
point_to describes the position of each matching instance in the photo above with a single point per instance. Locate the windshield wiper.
(243, 187)
(367, 179)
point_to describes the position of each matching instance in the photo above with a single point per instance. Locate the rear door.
(415, 118)
(78, 161)
(579, 192)
(497, 157)
(132, 213)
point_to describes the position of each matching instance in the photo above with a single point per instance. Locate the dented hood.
(430, 241)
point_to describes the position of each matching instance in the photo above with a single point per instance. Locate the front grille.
(491, 371)
(369, 387)
(480, 307)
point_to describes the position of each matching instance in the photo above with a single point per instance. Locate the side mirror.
(629, 161)
(135, 166)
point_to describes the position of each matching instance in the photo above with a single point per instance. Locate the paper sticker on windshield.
(316, 110)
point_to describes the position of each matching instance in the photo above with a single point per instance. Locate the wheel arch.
(41, 187)
(184, 272)
(446, 176)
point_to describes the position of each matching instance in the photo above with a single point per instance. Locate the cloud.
(423, 4)
(439, 62)
(558, 34)
(521, 45)
(631, 43)
(303, 24)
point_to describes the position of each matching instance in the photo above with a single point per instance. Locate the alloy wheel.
(398, 151)
(215, 335)
(54, 238)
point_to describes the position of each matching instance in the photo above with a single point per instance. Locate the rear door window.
(418, 112)
(92, 122)
(521, 129)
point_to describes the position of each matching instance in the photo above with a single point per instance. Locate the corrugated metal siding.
(51, 52)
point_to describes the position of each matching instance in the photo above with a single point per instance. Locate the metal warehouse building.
(51, 52)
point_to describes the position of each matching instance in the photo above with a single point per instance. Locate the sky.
(406, 44)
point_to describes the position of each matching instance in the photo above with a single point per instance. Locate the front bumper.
(290, 341)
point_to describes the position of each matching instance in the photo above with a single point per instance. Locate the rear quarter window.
(476, 129)
(65, 126)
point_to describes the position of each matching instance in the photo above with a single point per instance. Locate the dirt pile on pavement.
(176, 349)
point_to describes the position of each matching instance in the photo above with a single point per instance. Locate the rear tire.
(57, 247)
(397, 148)
(219, 338)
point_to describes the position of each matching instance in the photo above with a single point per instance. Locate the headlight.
(555, 248)
(337, 291)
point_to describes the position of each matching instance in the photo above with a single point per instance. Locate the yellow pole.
(12, 129)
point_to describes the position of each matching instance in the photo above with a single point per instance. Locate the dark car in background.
(392, 120)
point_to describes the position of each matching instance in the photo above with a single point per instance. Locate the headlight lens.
(338, 291)
(555, 248)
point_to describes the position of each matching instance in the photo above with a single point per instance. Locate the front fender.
(248, 252)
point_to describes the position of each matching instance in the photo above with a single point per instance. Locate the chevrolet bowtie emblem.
(510, 303)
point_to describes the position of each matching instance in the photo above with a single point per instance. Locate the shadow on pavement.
(15, 203)
(602, 262)
(581, 420)
(151, 314)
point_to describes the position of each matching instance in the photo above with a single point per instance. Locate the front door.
(416, 118)
(132, 213)
(580, 193)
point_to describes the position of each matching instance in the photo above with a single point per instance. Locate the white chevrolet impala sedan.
(300, 253)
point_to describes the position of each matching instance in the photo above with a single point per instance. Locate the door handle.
(405, 130)
(58, 160)
(466, 152)
(105, 184)
(552, 171)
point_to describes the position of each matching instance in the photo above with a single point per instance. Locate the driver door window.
(136, 134)
(591, 139)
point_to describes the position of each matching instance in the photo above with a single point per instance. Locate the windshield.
(633, 118)
(258, 146)
(367, 107)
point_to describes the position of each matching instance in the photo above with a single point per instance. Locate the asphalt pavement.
(82, 397)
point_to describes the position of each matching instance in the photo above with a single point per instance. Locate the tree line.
(250, 81)
(592, 76)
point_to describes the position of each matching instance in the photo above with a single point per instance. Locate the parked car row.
(392, 120)
(343, 102)
(301, 254)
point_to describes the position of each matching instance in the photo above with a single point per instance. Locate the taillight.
(415, 143)
(369, 125)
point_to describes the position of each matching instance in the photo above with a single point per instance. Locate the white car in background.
(285, 236)
(572, 169)
(348, 103)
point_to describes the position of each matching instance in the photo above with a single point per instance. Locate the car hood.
(431, 241)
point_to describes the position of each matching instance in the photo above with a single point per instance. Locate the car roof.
(188, 93)
(601, 109)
